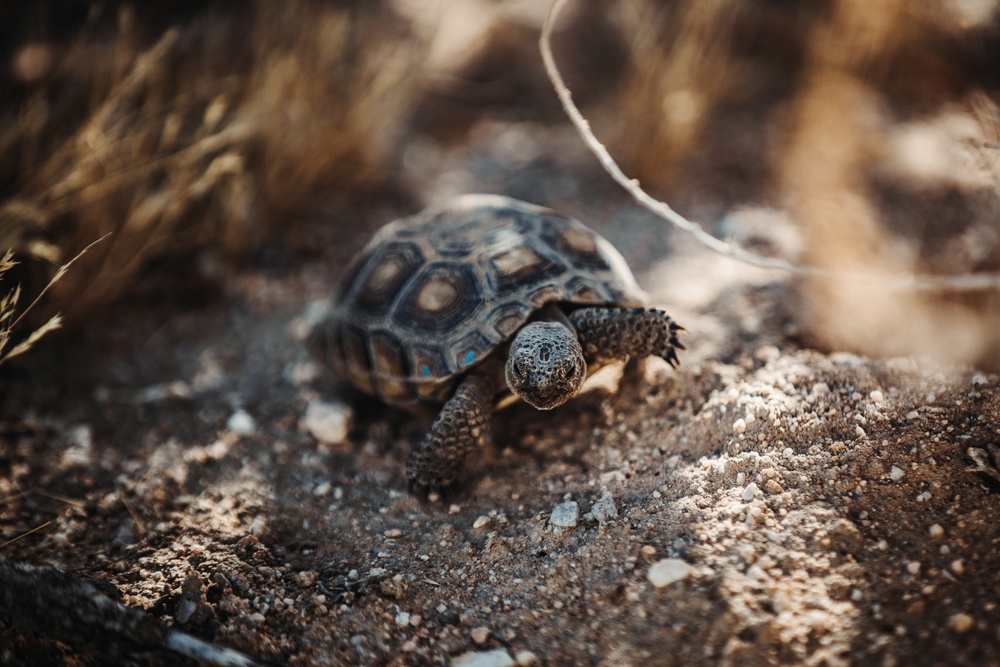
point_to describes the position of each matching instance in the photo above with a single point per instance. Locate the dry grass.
(208, 134)
(8, 308)
(876, 136)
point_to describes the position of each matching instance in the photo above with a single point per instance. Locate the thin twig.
(135, 517)
(904, 281)
(33, 530)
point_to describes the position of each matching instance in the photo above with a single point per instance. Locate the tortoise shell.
(435, 293)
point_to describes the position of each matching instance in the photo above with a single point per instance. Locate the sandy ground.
(764, 504)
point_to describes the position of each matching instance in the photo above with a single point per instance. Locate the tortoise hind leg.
(464, 423)
(634, 333)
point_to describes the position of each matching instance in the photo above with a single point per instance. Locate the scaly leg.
(464, 423)
(608, 334)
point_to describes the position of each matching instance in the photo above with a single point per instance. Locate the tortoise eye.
(571, 373)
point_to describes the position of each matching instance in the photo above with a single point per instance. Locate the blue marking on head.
(470, 356)
(425, 371)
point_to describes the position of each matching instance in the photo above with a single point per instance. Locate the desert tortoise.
(480, 295)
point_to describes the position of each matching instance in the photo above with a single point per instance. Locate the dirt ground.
(830, 509)
(767, 503)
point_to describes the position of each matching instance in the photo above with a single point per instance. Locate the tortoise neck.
(551, 312)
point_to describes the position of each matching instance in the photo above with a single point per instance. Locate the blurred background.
(211, 136)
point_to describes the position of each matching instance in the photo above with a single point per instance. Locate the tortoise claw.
(425, 492)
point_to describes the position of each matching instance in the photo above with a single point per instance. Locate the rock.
(604, 510)
(328, 422)
(526, 659)
(480, 635)
(667, 571)
(496, 658)
(565, 515)
(241, 423)
(961, 623)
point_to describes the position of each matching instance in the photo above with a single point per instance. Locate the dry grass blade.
(33, 338)
(977, 281)
(8, 304)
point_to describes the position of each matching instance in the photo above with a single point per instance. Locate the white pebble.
(936, 530)
(896, 473)
(604, 510)
(403, 619)
(876, 395)
(740, 425)
(860, 432)
(667, 571)
(565, 514)
(495, 658)
(958, 566)
(526, 659)
(913, 567)
(328, 422)
(741, 478)
(481, 521)
(258, 526)
(750, 492)
(241, 423)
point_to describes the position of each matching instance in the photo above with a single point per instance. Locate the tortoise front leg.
(619, 333)
(464, 422)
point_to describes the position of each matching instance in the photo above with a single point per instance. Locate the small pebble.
(403, 619)
(526, 659)
(896, 473)
(258, 526)
(936, 530)
(749, 492)
(393, 533)
(740, 425)
(241, 423)
(648, 550)
(328, 422)
(604, 510)
(961, 622)
(667, 571)
(307, 579)
(565, 515)
(913, 567)
(958, 566)
(876, 395)
(480, 635)
(495, 658)
(481, 521)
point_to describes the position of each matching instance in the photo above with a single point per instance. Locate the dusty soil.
(833, 509)
(812, 507)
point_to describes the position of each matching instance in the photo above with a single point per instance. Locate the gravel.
(667, 571)
(328, 422)
(565, 515)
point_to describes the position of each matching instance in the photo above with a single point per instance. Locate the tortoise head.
(545, 365)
